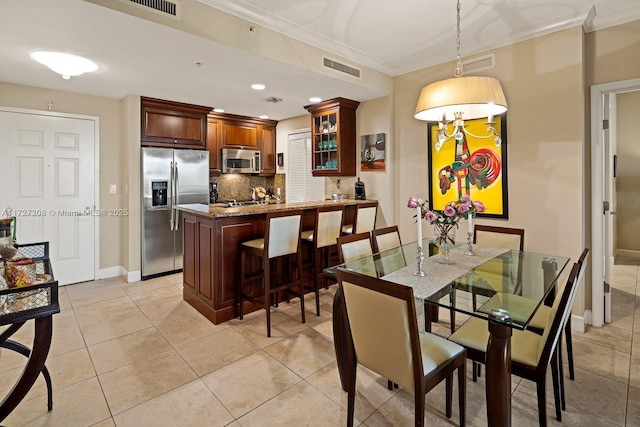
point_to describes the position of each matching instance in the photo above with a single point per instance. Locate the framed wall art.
(372, 152)
(474, 165)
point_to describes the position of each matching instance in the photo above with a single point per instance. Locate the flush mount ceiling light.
(65, 64)
(258, 86)
(454, 100)
(263, 117)
(218, 110)
(315, 99)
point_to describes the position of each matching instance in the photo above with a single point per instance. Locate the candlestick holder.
(420, 258)
(469, 251)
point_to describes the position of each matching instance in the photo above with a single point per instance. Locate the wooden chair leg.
(561, 374)
(243, 263)
(542, 401)
(462, 392)
(300, 283)
(266, 277)
(556, 384)
(419, 408)
(449, 394)
(567, 333)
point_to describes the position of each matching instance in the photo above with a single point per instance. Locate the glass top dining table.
(504, 286)
(510, 283)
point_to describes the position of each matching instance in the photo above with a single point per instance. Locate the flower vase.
(445, 238)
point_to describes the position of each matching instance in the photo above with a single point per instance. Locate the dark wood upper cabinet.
(173, 124)
(214, 144)
(233, 131)
(267, 145)
(333, 136)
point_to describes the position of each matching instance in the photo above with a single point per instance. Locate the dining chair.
(365, 218)
(500, 237)
(354, 246)
(538, 324)
(386, 238)
(326, 230)
(281, 239)
(495, 273)
(531, 354)
(382, 324)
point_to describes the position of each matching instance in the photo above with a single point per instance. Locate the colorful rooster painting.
(480, 169)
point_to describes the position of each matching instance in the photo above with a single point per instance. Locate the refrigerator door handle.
(173, 195)
(175, 199)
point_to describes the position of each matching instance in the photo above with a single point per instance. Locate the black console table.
(39, 303)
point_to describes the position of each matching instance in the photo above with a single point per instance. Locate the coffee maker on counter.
(361, 194)
(213, 192)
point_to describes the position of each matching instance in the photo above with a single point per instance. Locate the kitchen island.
(212, 236)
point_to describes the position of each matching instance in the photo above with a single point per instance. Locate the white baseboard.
(115, 271)
(134, 276)
(627, 253)
(579, 323)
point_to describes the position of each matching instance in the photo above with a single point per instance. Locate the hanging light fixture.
(461, 98)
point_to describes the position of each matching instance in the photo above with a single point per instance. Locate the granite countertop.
(219, 210)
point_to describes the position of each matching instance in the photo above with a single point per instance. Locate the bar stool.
(281, 239)
(323, 236)
(365, 220)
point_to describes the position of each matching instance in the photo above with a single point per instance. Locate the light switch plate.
(113, 189)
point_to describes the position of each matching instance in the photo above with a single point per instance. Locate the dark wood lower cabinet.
(211, 267)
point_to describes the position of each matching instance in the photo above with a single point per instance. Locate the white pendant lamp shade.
(65, 64)
(473, 96)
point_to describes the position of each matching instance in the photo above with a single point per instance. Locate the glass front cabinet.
(333, 133)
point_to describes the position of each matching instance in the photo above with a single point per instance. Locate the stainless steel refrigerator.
(169, 177)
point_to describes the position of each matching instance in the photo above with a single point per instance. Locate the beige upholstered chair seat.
(347, 229)
(307, 235)
(436, 351)
(255, 243)
(475, 334)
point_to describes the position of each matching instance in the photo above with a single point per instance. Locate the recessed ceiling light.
(258, 86)
(218, 110)
(264, 117)
(65, 64)
(315, 99)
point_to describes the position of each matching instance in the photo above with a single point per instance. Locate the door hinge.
(607, 288)
(605, 124)
(605, 206)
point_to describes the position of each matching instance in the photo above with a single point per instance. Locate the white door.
(302, 186)
(48, 165)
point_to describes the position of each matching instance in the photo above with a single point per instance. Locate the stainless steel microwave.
(240, 161)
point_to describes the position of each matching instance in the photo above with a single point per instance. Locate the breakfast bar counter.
(211, 259)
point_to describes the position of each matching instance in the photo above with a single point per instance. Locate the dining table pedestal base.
(498, 367)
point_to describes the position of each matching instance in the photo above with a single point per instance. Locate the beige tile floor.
(135, 354)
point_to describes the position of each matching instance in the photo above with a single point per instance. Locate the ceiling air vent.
(164, 7)
(335, 65)
(274, 100)
(478, 64)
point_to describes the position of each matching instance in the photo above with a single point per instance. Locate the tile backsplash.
(238, 186)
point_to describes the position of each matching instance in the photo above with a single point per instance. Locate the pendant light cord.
(458, 72)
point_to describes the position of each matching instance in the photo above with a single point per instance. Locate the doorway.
(602, 194)
(50, 161)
